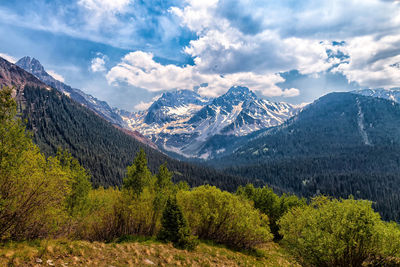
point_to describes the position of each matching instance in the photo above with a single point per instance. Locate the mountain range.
(187, 124)
(56, 121)
(183, 123)
(341, 144)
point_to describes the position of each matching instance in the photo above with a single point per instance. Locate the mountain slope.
(184, 123)
(34, 67)
(390, 94)
(343, 144)
(56, 120)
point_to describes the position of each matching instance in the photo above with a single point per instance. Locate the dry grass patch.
(143, 253)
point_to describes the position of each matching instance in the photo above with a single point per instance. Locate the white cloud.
(221, 47)
(139, 69)
(104, 6)
(373, 61)
(8, 58)
(288, 37)
(244, 43)
(291, 92)
(56, 75)
(98, 63)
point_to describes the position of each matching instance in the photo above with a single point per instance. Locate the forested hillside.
(343, 144)
(57, 121)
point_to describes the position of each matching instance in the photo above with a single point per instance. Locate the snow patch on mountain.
(361, 126)
(184, 123)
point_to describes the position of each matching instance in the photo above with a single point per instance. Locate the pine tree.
(138, 174)
(164, 178)
(175, 228)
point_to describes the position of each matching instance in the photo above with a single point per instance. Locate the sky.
(128, 52)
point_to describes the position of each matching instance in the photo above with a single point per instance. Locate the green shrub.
(269, 203)
(223, 217)
(100, 220)
(338, 233)
(33, 189)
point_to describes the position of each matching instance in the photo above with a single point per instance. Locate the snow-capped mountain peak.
(172, 106)
(183, 122)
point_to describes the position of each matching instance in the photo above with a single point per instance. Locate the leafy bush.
(103, 216)
(33, 189)
(338, 233)
(223, 217)
(265, 200)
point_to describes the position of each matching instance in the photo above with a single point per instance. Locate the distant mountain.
(390, 94)
(184, 123)
(342, 144)
(13, 76)
(57, 120)
(34, 67)
(173, 106)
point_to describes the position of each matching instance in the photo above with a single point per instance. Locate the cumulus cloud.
(98, 64)
(141, 70)
(373, 61)
(8, 58)
(246, 43)
(55, 75)
(243, 36)
(291, 92)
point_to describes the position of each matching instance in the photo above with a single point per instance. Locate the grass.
(135, 252)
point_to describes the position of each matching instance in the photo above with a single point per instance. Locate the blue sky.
(128, 52)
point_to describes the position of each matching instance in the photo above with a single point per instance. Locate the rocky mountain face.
(34, 67)
(13, 76)
(187, 124)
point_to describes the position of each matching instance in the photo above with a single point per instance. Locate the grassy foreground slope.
(144, 253)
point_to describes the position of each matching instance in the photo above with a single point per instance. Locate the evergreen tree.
(164, 178)
(174, 227)
(138, 174)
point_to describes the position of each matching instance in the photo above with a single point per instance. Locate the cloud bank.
(249, 42)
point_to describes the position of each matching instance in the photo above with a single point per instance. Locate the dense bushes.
(265, 200)
(32, 188)
(223, 217)
(339, 233)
